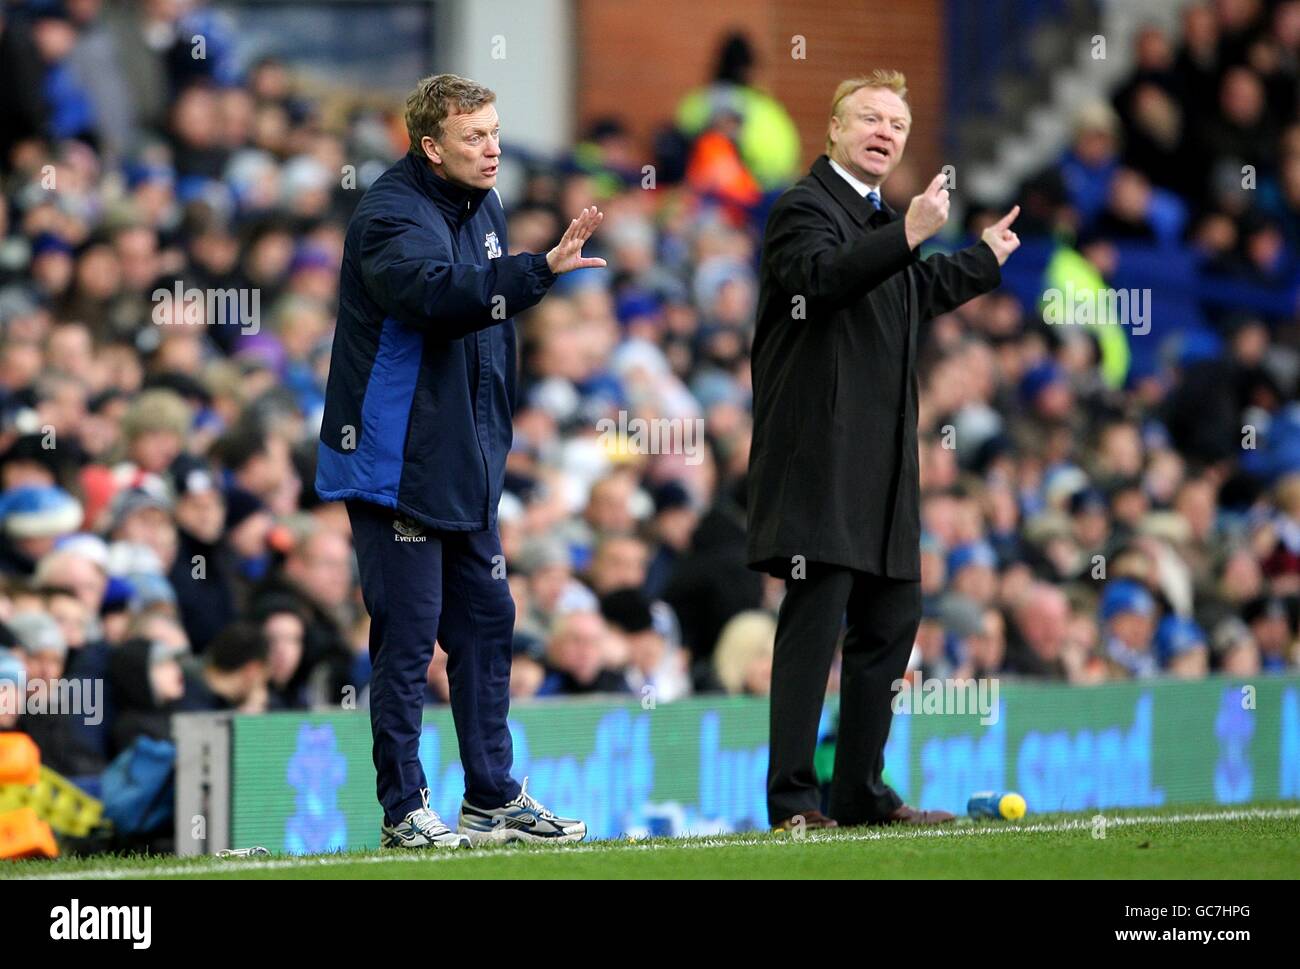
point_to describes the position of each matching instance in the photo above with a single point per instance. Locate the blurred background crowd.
(1098, 503)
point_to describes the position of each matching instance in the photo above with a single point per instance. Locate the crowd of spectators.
(159, 532)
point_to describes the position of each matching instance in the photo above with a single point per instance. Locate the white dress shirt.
(859, 186)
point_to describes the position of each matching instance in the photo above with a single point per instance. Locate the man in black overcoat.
(833, 504)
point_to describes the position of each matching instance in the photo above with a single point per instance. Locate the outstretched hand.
(927, 212)
(567, 255)
(1000, 238)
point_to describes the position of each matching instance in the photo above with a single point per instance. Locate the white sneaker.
(522, 819)
(422, 828)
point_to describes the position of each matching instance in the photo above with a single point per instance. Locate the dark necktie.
(873, 199)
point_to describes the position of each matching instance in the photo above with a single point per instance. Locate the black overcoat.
(833, 468)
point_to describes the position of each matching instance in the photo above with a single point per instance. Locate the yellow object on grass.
(65, 807)
(1012, 807)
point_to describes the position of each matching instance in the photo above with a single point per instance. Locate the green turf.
(1262, 841)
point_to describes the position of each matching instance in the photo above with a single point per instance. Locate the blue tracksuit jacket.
(421, 388)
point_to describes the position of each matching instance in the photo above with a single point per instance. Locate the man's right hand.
(567, 256)
(927, 213)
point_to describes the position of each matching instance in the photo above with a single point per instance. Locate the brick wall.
(637, 58)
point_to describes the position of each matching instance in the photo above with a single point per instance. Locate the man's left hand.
(567, 255)
(1000, 238)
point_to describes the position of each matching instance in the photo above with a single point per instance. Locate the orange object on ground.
(24, 835)
(20, 759)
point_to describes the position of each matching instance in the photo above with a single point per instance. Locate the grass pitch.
(1261, 841)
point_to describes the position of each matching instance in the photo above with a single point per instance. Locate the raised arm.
(409, 272)
(809, 260)
(945, 282)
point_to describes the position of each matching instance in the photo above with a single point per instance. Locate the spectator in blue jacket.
(1128, 612)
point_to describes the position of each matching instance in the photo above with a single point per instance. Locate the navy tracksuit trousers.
(420, 585)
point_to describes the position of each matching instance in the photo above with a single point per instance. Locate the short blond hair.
(886, 79)
(158, 409)
(436, 97)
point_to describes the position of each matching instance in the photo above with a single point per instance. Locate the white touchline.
(765, 840)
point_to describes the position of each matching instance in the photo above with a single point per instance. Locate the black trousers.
(882, 617)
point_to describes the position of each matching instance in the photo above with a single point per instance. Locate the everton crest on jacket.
(421, 389)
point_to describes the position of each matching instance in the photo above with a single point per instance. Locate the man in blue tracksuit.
(416, 429)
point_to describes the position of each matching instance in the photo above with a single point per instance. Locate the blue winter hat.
(1087, 500)
(139, 173)
(1126, 595)
(117, 597)
(50, 242)
(636, 303)
(39, 511)
(1037, 379)
(972, 553)
(1177, 635)
(311, 257)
